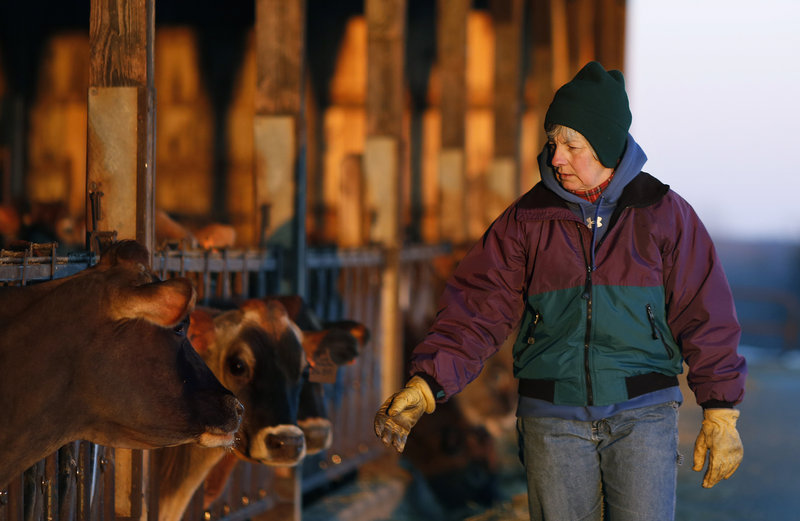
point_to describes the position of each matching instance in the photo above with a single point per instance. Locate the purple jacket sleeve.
(481, 304)
(701, 312)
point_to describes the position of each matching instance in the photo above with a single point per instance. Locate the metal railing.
(84, 481)
(778, 316)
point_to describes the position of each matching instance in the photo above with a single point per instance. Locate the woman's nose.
(558, 157)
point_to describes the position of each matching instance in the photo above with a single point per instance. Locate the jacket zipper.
(656, 335)
(587, 296)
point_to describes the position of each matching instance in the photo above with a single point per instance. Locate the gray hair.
(569, 134)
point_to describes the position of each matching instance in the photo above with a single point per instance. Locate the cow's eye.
(180, 329)
(236, 366)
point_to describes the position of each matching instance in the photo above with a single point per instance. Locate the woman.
(614, 283)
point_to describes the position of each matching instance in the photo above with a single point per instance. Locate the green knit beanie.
(595, 104)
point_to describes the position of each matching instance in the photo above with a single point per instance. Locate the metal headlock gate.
(84, 481)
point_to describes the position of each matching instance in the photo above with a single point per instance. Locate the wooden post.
(185, 126)
(452, 61)
(581, 33)
(287, 490)
(539, 89)
(120, 183)
(610, 34)
(386, 24)
(560, 41)
(503, 184)
(354, 219)
(121, 116)
(280, 37)
(57, 122)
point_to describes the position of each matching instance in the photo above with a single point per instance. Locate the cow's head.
(256, 352)
(339, 343)
(331, 344)
(145, 384)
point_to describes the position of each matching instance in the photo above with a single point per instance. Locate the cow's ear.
(164, 303)
(293, 303)
(201, 330)
(271, 315)
(255, 310)
(311, 342)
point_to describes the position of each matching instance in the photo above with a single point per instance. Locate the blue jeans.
(624, 467)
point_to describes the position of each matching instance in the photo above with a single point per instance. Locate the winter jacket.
(602, 318)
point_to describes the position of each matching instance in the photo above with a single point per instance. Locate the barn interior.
(346, 151)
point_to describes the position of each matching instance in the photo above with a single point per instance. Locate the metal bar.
(108, 511)
(53, 261)
(67, 485)
(245, 278)
(224, 286)
(343, 283)
(83, 472)
(300, 250)
(51, 488)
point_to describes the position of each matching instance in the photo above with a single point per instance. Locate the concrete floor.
(765, 487)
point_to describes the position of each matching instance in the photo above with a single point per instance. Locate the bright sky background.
(714, 87)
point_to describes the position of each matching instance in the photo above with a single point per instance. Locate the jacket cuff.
(714, 404)
(436, 389)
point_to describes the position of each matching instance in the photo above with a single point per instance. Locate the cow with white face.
(103, 356)
(330, 344)
(256, 352)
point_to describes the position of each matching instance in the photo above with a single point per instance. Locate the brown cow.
(327, 346)
(103, 356)
(337, 343)
(256, 352)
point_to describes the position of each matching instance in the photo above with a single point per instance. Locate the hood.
(633, 159)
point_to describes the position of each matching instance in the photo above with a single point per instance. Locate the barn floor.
(764, 487)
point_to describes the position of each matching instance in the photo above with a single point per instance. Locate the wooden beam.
(502, 180)
(581, 33)
(559, 31)
(538, 90)
(452, 66)
(507, 16)
(451, 39)
(353, 215)
(121, 120)
(541, 85)
(384, 107)
(610, 34)
(386, 28)
(280, 48)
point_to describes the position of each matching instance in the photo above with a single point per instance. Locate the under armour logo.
(590, 222)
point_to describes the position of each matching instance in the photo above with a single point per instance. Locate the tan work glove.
(719, 437)
(401, 412)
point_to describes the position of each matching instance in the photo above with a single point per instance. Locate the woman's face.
(575, 165)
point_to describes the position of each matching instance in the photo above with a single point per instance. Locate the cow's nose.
(235, 405)
(235, 410)
(286, 443)
(239, 408)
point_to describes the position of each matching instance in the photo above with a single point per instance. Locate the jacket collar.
(541, 203)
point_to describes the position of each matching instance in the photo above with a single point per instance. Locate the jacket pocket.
(536, 317)
(656, 333)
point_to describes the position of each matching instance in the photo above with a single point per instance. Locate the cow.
(327, 345)
(256, 352)
(102, 356)
(336, 342)
(337, 345)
